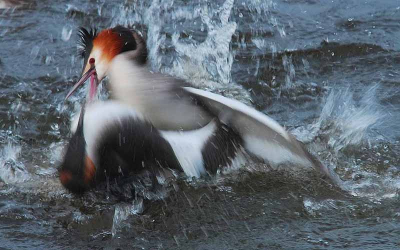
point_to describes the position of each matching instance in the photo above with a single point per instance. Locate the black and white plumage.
(112, 139)
(163, 122)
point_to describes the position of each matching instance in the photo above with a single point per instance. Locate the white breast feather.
(98, 116)
(187, 147)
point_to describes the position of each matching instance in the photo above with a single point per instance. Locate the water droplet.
(35, 51)
(48, 60)
(66, 34)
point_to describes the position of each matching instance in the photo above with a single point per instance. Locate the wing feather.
(262, 135)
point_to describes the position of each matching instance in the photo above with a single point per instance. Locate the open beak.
(94, 82)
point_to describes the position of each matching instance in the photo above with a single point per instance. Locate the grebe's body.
(157, 121)
(113, 140)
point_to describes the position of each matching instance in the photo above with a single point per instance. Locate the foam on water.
(375, 187)
(313, 207)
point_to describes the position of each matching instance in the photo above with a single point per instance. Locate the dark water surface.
(327, 70)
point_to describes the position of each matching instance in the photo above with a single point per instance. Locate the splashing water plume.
(346, 122)
(12, 171)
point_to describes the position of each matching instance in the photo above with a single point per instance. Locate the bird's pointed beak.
(94, 82)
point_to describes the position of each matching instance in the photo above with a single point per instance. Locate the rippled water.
(326, 70)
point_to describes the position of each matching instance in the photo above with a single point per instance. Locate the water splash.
(27, 179)
(11, 169)
(123, 211)
(206, 64)
(313, 207)
(343, 121)
(290, 72)
(261, 44)
(56, 152)
(153, 17)
(213, 55)
(347, 122)
(66, 33)
(373, 186)
(344, 137)
(261, 7)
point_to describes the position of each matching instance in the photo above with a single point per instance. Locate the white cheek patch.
(128, 81)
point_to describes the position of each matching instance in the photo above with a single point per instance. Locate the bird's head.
(77, 172)
(99, 49)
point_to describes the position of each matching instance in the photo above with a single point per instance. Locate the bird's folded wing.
(160, 98)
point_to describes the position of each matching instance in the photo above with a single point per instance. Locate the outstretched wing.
(262, 136)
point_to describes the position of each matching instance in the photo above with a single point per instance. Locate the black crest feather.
(85, 42)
